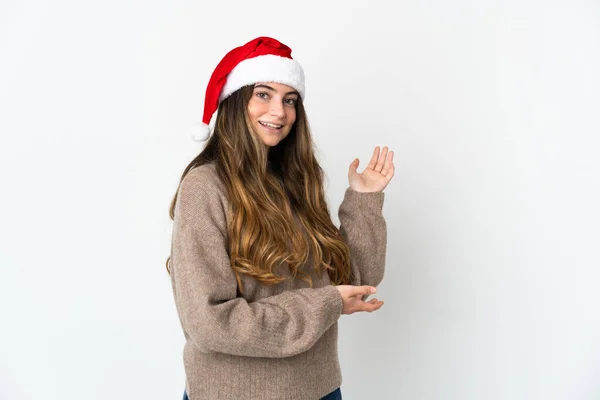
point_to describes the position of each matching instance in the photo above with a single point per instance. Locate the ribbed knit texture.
(275, 342)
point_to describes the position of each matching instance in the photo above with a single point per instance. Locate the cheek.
(291, 116)
(255, 110)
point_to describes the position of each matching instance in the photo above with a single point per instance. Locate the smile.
(270, 126)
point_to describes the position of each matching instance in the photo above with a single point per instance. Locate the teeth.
(270, 125)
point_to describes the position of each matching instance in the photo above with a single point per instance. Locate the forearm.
(364, 229)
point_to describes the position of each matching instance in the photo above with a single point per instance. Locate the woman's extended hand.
(376, 175)
(352, 297)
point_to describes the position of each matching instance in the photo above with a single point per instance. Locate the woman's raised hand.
(352, 297)
(376, 175)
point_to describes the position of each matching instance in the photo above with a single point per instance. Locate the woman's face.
(272, 111)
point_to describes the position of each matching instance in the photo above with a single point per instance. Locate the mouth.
(271, 127)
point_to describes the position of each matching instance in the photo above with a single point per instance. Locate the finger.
(388, 162)
(374, 158)
(390, 172)
(363, 290)
(369, 307)
(353, 166)
(381, 159)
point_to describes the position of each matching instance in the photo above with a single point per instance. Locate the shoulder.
(202, 179)
(201, 195)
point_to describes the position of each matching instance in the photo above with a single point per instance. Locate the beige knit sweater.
(274, 342)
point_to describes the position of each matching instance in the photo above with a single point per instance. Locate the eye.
(262, 95)
(291, 101)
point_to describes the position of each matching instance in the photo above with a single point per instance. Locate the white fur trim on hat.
(267, 68)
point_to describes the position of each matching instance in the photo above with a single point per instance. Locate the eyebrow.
(273, 90)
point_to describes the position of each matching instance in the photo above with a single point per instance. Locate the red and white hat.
(263, 59)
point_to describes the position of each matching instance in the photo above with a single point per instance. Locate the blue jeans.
(335, 395)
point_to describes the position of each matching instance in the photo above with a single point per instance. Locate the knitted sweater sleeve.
(205, 287)
(363, 227)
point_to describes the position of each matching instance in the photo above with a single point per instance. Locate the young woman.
(259, 272)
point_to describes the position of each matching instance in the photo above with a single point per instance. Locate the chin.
(271, 143)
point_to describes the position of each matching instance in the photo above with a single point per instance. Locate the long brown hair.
(264, 187)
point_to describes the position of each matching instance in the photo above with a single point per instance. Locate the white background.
(492, 110)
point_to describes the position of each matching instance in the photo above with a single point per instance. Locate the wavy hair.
(266, 187)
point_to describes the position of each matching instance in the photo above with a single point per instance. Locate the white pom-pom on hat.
(200, 132)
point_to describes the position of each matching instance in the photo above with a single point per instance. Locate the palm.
(376, 175)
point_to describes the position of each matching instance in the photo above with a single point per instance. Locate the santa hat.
(263, 59)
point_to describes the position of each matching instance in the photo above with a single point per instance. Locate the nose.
(276, 109)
